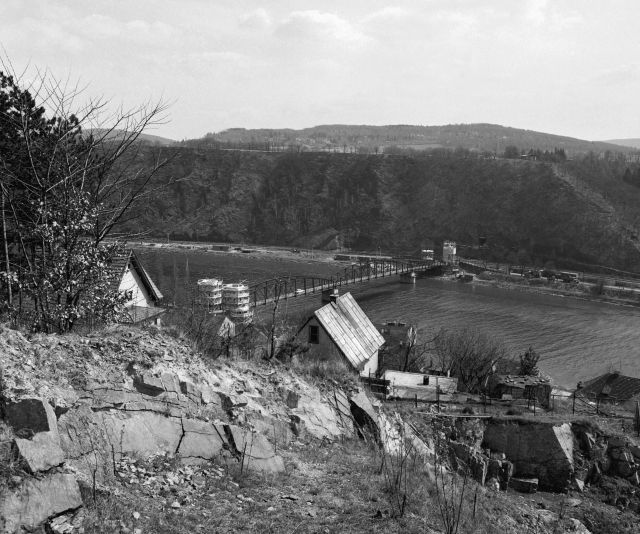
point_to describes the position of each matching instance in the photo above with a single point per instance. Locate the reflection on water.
(577, 339)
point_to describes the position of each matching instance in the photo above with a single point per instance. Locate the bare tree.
(468, 355)
(70, 173)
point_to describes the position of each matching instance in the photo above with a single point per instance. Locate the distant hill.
(490, 138)
(154, 140)
(632, 142)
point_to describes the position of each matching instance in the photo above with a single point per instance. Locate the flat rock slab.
(258, 453)
(37, 500)
(142, 432)
(320, 419)
(42, 452)
(201, 441)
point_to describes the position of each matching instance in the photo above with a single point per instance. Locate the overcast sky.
(569, 67)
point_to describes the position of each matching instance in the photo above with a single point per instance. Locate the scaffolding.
(210, 290)
(236, 298)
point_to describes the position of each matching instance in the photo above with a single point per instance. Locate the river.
(577, 339)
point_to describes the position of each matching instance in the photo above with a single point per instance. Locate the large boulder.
(36, 500)
(35, 420)
(32, 414)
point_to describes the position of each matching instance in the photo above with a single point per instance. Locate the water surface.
(577, 339)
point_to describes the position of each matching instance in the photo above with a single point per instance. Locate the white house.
(341, 330)
(141, 294)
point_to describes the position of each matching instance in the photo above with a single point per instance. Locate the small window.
(314, 334)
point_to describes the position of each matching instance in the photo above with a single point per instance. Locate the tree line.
(398, 204)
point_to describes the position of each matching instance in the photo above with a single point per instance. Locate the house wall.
(371, 367)
(326, 349)
(132, 282)
(400, 379)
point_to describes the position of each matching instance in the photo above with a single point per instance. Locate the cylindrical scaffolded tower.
(210, 290)
(236, 299)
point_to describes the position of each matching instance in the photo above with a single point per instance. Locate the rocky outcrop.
(473, 460)
(43, 491)
(323, 416)
(540, 450)
(35, 420)
(364, 415)
(616, 456)
(36, 500)
(133, 395)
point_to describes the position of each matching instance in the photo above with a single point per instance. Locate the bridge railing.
(363, 271)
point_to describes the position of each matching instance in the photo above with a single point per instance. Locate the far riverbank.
(584, 291)
(580, 290)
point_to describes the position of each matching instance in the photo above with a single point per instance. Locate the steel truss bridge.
(365, 270)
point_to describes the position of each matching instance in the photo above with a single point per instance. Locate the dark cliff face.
(397, 203)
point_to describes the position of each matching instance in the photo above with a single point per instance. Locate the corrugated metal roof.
(350, 329)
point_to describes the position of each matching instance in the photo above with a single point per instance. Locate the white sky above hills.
(569, 67)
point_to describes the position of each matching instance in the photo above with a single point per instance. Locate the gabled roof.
(153, 290)
(613, 386)
(119, 265)
(350, 329)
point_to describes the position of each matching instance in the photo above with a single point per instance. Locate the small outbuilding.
(613, 388)
(419, 386)
(341, 331)
(521, 387)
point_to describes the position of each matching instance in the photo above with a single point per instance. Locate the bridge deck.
(286, 288)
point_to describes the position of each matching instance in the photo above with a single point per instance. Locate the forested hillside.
(401, 203)
(491, 138)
